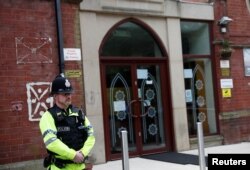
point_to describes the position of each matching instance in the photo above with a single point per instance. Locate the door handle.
(128, 109)
(144, 102)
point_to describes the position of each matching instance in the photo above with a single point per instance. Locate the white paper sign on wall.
(72, 54)
(226, 83)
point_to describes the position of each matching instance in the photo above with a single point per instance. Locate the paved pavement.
(146, 164)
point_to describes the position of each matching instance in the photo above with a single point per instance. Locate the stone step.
(214, 140)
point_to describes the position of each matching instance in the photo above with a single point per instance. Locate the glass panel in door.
(151, 113)
(119, 96)
(199, 95)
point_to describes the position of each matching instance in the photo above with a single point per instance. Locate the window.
(130, 39)
(198, 76)
(248, 5)
(195, 38)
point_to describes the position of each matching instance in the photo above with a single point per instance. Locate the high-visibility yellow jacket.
(55, 145)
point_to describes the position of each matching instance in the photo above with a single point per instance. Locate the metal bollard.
(201, 146)
(125, 155)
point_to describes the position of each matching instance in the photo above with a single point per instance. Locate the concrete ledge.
(209, 141)
(234, 114)
(133, 6)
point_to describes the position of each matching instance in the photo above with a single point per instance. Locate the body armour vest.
(70, 129)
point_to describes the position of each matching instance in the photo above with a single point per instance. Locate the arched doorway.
(135, 90)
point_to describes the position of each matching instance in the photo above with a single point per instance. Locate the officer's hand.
(78, 157)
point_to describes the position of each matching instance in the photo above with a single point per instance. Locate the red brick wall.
(25, 24)
(234, 129)
(235, 133)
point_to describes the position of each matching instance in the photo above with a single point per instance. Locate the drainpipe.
(59, 35)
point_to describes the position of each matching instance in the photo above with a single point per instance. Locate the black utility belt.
(60, 163)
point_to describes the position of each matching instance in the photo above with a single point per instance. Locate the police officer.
(66, 131)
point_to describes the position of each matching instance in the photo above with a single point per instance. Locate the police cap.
(61, 85)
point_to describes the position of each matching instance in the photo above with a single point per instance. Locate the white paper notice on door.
(188, 73)
(142, 73)
(119, 106)
(188, 93)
